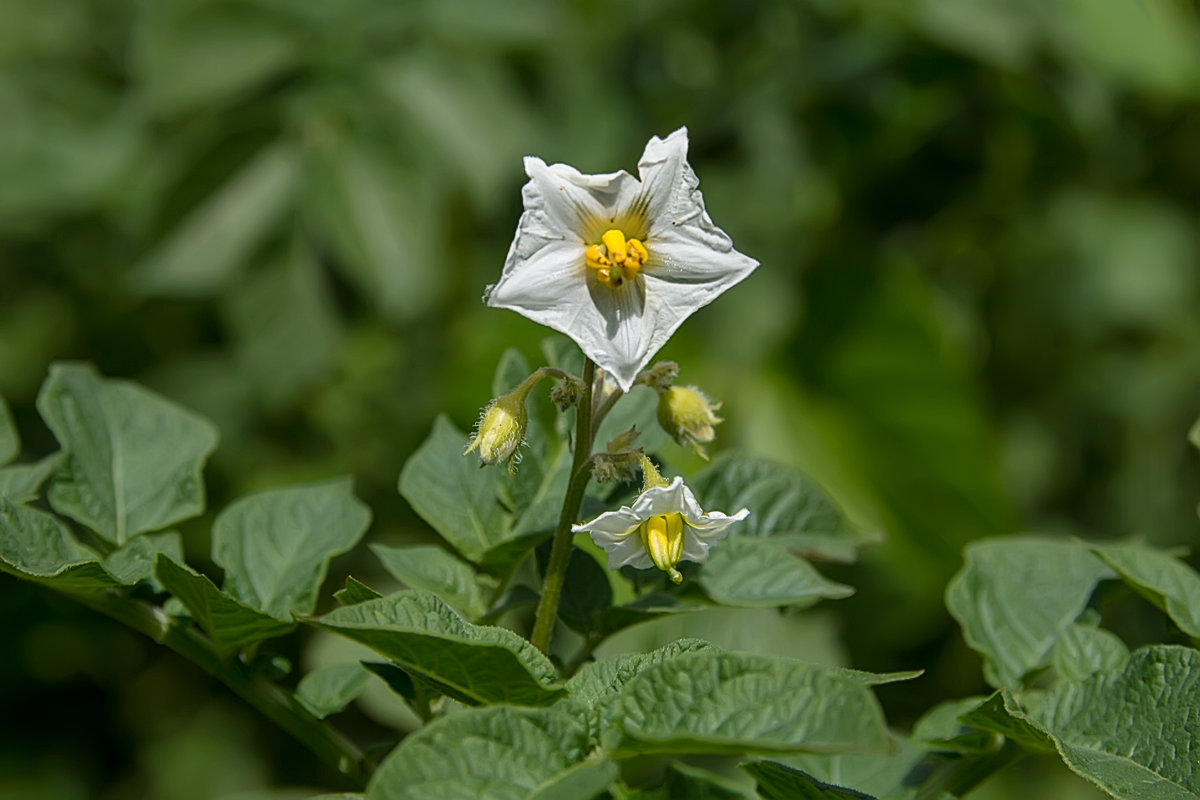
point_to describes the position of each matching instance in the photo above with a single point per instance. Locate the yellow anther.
(595, 257)
(614, 240)
(616, 260)
(662, 536)
(639, 250)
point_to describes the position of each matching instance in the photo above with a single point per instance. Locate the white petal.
(712, 528)
(542, 279)
(660, 500)
(622, 346)
(612, 523)
(670, 189)
(616, 532)
(570, 200)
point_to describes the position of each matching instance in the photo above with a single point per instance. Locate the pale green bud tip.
(501, 431)
(688, 416)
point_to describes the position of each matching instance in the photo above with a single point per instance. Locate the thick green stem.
(274, 703)
(560, 550)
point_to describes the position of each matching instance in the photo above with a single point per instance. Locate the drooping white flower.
(665, 525)
(617, 262)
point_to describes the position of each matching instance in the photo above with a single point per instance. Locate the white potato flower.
(615, 262)
(665, 525)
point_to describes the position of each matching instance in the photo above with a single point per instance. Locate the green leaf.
(21, 482)
(638, 408)
(285, 327)
(471, 663)
(230, 623)
(458, 499)
(784, 505)
(781, 782)
(942, 729)
(202, 254)
(644, 609)
(734, 702)
(397, 679)
(355, 591)
(500, 753)
(10, 443)
(579, 782)
(432, 569)
(1082, 651)
(187, 56)
(1015, 596)
(275, 546)
(330, 689)
(745, 571)
(1163, 579)
(134, 560)
(590, 594)
(685, 782)
(36, 546)
(886, 774)
(593, 690)
(998, 715)
(132, 459)
(1132, 732)
(381, 219)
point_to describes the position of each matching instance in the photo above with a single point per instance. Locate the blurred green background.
(976, 311)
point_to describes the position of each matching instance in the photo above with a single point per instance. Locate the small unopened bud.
(688, 416)
(614, 467)
(661, 376)
(501, 430)
(567, 393)
(624, 440)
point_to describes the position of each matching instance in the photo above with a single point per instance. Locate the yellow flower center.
(662, 536)
(617, 259)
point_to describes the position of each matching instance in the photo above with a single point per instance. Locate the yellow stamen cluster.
(662, 536)
(616, 260)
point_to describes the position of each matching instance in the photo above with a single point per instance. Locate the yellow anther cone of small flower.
(665, 525)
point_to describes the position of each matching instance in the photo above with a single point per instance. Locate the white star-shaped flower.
(664, 526)
(615, 262)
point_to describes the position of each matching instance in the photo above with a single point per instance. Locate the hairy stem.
(560, 550)
(274, 703)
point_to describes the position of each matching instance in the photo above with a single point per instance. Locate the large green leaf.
(785, 505)
(275, 546)
(734, 702)
(202, 254)
(499, 753)
(1083, 650)
(432, 569)
(132, 459)
(781, 782)
(459, 500)
(592, 692)
(36, 546)
(10, 443)
(1133, 732)
(21, 482)
(1169, 583)
(330, 689)
(747, 571)
(135, 560)
(230, 623)
(1015, 596)
(472, 663)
